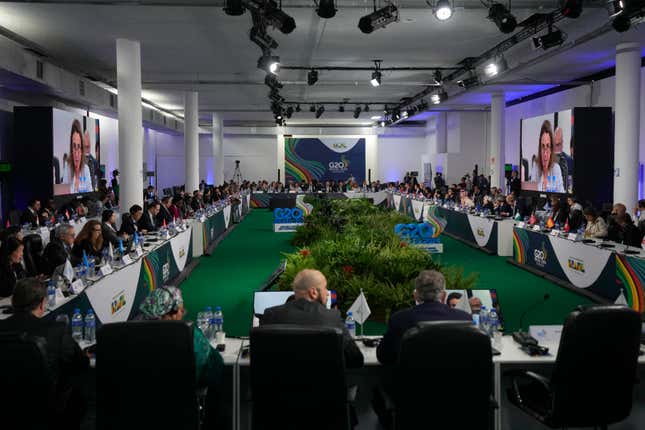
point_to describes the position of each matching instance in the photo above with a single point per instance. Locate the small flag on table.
(7, 224)
(111, 251)
(66, 214)
(121, 250)
(86, 262)
(533, 219)
(360, 310)
(518, 217)
(566, 226)
(550, 223)
(68, 271)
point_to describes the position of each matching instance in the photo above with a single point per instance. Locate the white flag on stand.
(111, 251)
(68, 271)
(360, 309)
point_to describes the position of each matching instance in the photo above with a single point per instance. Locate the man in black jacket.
(308, 309)
(67, 362)
(430, 295)
(59, 249)
(129, 221)
(30, 215)
(148, 222)
(164, 211)
(621, 227)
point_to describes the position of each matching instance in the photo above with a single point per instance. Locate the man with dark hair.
(621, 228)
(65, 358)
(429, 295)
(453, 299)
(30, 215)
(164, 211)
(148, 222)
(129, 221)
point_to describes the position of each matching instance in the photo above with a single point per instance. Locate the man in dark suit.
(148, 222)
(30, 215)
(308, 309)
(164, 211)
(67, 362)
(430, 295)
(59, 249)
(129, 221)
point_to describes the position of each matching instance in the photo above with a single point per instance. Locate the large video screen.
(76, 162)
(546, 154)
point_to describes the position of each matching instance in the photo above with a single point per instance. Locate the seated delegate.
(11, 269)
(89, 241)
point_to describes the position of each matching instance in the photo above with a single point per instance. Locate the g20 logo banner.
(288, 216)
(324, 159)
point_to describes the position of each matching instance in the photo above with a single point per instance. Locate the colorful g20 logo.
(288, 215)
(540, 256)
(336, 165)
(415, 232)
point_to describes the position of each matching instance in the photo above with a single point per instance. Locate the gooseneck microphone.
(535, 305)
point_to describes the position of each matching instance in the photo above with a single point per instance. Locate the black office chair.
(27, 383)
(33, 254)
(145, 376)
(298, 378)
(594, 374)
(442, 364)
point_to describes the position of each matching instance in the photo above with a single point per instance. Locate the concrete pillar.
(128, 76)
(496, 155)
(218, 149)
(191, 140)
(627, 123)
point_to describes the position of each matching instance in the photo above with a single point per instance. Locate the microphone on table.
(528, 343)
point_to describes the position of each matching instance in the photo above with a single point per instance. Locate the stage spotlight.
(320, 111)
(379, 19)
(494, 68)
(278, 18)
(312, 108)
(502, 18)
(439, 97)
(443, 10)
(549, 40)
(618, 7)
(272, 82)
(298, 108)
(289, 112)
(326, 8)
(366, 108)
(341, 108)
(234, 7)
(262, 39)
(312, 77)
(269, 63)
(405, 114)
(357, 112)
(376, 78)
(438, 77)
(572, 8)
(469, 82)
(621, 23)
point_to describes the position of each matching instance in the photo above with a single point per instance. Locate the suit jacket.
(110, 235)
(85, 245)
(306, 313)
(164, 215)
(29, 216)
(388, 350)
(55, 254)
(128, 225)
(64, 356)
(147, 222)
(9, 275)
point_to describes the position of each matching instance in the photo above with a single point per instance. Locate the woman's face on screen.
(77, 150)
(546, 147)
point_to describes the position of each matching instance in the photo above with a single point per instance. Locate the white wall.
(258, 155)
(398, 155)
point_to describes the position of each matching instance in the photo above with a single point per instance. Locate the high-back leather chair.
(27, 395)
(145, 376)
(594, 374)
(298, 378)
(442, 364)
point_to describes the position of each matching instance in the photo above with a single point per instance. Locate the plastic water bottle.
(493, 322)
(200, 320)
(476, 320)
(51, 295)
(90, 326)
(350, 324)
(483, 319)
(218, 316)
(77, 325)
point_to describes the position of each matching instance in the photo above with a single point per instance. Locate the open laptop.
(267, 299)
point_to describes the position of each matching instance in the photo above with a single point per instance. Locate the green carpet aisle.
(237, 267)
(244, 260)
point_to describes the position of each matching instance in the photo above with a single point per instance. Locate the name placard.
(536, 228)
(78, 286)
(105, 270)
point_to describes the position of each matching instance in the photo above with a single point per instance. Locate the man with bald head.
(309, 309)
(621, 228)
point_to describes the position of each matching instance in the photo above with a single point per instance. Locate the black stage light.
(549, 40)
(502, 18)
(621, 23)
(366, 108)
(438, 77)
(269, 63)
(341, 108)
(439, 97)
(572, 8)
(469, 82)
(320, 111)
(312, 77)
(379, 19)
(326, 8)
(278, 18)
(272, 82)
(289, 112)
(357, 112)
(234, 7)
(298, 108)
(312, 108)
(262, 39)
(376, 78)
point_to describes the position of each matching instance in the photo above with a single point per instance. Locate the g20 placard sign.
(287, 219)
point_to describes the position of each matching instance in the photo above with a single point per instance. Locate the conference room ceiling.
(197, 47)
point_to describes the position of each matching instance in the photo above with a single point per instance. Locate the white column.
(496, 156)
(191, 140)
(218, 149)
(128, 76)
(627, 123)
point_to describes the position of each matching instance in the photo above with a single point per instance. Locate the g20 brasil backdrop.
(324, 159)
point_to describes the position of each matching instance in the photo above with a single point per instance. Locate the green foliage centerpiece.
(353, 243)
